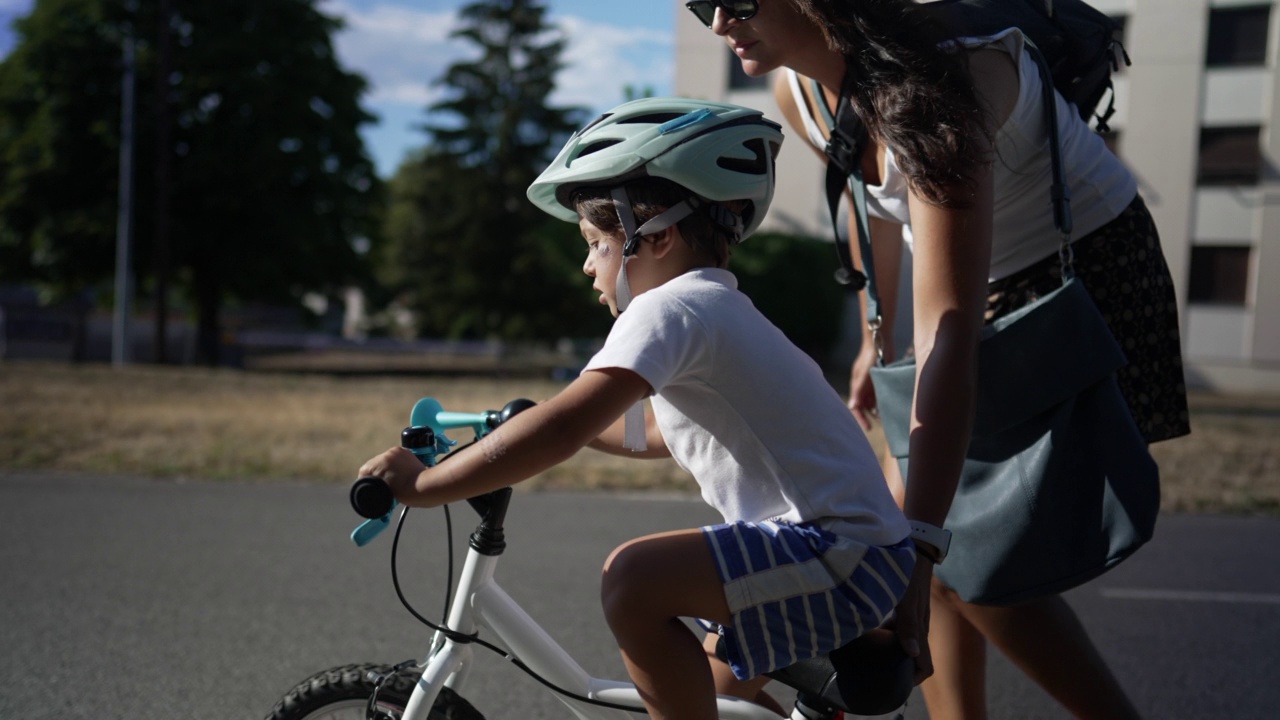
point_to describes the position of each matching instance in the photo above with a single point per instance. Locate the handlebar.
(371, 497)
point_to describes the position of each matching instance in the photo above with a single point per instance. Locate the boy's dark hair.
(649, 198)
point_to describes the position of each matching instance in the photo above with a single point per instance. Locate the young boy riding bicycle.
(813, 551)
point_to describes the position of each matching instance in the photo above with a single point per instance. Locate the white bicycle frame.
(480, 603)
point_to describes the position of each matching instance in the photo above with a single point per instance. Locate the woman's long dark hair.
(912, 94)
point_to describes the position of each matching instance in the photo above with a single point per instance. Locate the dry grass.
(223, 424)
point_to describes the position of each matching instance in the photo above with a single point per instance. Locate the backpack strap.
(847, 141)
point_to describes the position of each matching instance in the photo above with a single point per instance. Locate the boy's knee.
(622, 584)
(615, 582)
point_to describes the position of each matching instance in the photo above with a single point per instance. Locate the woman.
(958, 157)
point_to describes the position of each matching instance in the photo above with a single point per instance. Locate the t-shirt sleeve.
(658, 338)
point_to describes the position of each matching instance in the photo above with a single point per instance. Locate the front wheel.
(342, 693)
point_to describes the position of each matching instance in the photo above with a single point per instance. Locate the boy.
(813, 551)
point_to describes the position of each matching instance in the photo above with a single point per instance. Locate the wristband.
(933, 536)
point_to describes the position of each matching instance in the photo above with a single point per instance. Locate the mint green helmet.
(717, 151)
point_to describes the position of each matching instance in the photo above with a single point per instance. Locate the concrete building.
(1197, 120)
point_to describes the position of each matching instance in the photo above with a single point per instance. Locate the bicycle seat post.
(809, 707)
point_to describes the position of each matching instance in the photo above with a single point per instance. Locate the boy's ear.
(663, 241)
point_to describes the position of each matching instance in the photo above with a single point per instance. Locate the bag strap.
(848, 140)
(1059, 191)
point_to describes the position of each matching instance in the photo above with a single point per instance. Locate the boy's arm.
(610, 441)
(535, 440)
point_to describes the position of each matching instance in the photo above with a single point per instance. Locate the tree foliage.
(788, 278)
(474, 255)
(272, 191)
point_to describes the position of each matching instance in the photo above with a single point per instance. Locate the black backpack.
(1075, 48)
(1077, 41)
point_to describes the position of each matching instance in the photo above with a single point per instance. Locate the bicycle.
(870, 676)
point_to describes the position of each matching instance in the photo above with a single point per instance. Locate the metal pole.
(124, 221)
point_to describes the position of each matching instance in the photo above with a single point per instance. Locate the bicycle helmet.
(717, 151)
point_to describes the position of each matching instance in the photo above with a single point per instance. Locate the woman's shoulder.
(789, 93)
(996, 82)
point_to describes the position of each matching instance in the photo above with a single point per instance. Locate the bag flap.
(1041, 355)
(1028, 361)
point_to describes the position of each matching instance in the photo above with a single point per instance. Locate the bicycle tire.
(342, 693)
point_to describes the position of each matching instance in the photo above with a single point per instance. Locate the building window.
(1219, 275)
(1238, 36)
(1230, 156)
(739, 80)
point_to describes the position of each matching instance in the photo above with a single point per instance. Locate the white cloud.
(400, 51)
(602, 59)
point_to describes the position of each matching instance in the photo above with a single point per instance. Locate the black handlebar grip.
(371, 497)
(515, 407)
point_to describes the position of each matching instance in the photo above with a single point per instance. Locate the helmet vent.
(598, 146)
(759, 165)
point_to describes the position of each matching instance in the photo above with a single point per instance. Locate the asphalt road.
(124, 598)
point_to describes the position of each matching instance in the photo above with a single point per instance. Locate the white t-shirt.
(1101, 186)
(749, 414)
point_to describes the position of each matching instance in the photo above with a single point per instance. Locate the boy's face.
(604, 256)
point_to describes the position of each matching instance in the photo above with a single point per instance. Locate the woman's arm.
(886, 253)
(538, 438)
(951, 267)
(949, 277)
(610, 441)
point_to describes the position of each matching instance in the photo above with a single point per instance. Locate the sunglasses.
(706, 9)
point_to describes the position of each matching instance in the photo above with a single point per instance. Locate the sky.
(402, 46)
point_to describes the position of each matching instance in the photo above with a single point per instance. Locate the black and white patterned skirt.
(1123, 268)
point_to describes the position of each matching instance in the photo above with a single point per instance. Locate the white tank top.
(1023, 231)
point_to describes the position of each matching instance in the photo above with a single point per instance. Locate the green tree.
(270, 190)
(788, 277)
(475, 257)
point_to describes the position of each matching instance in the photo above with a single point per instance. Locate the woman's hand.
(911, 619)
(399, 468)
(862, 395)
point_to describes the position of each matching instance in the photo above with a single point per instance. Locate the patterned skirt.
(1123, 267)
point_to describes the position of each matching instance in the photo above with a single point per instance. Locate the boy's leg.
(728, 684)
(649, 584)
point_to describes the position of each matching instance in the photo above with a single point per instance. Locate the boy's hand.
(399, 468)
(911, 621)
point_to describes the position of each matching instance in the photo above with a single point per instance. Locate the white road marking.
(1190, 596)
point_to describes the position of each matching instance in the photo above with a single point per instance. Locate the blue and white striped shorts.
(799, 591)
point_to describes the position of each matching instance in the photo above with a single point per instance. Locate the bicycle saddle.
(869, 676)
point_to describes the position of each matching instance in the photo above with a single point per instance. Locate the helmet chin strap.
(633, 235)
(633, 432)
